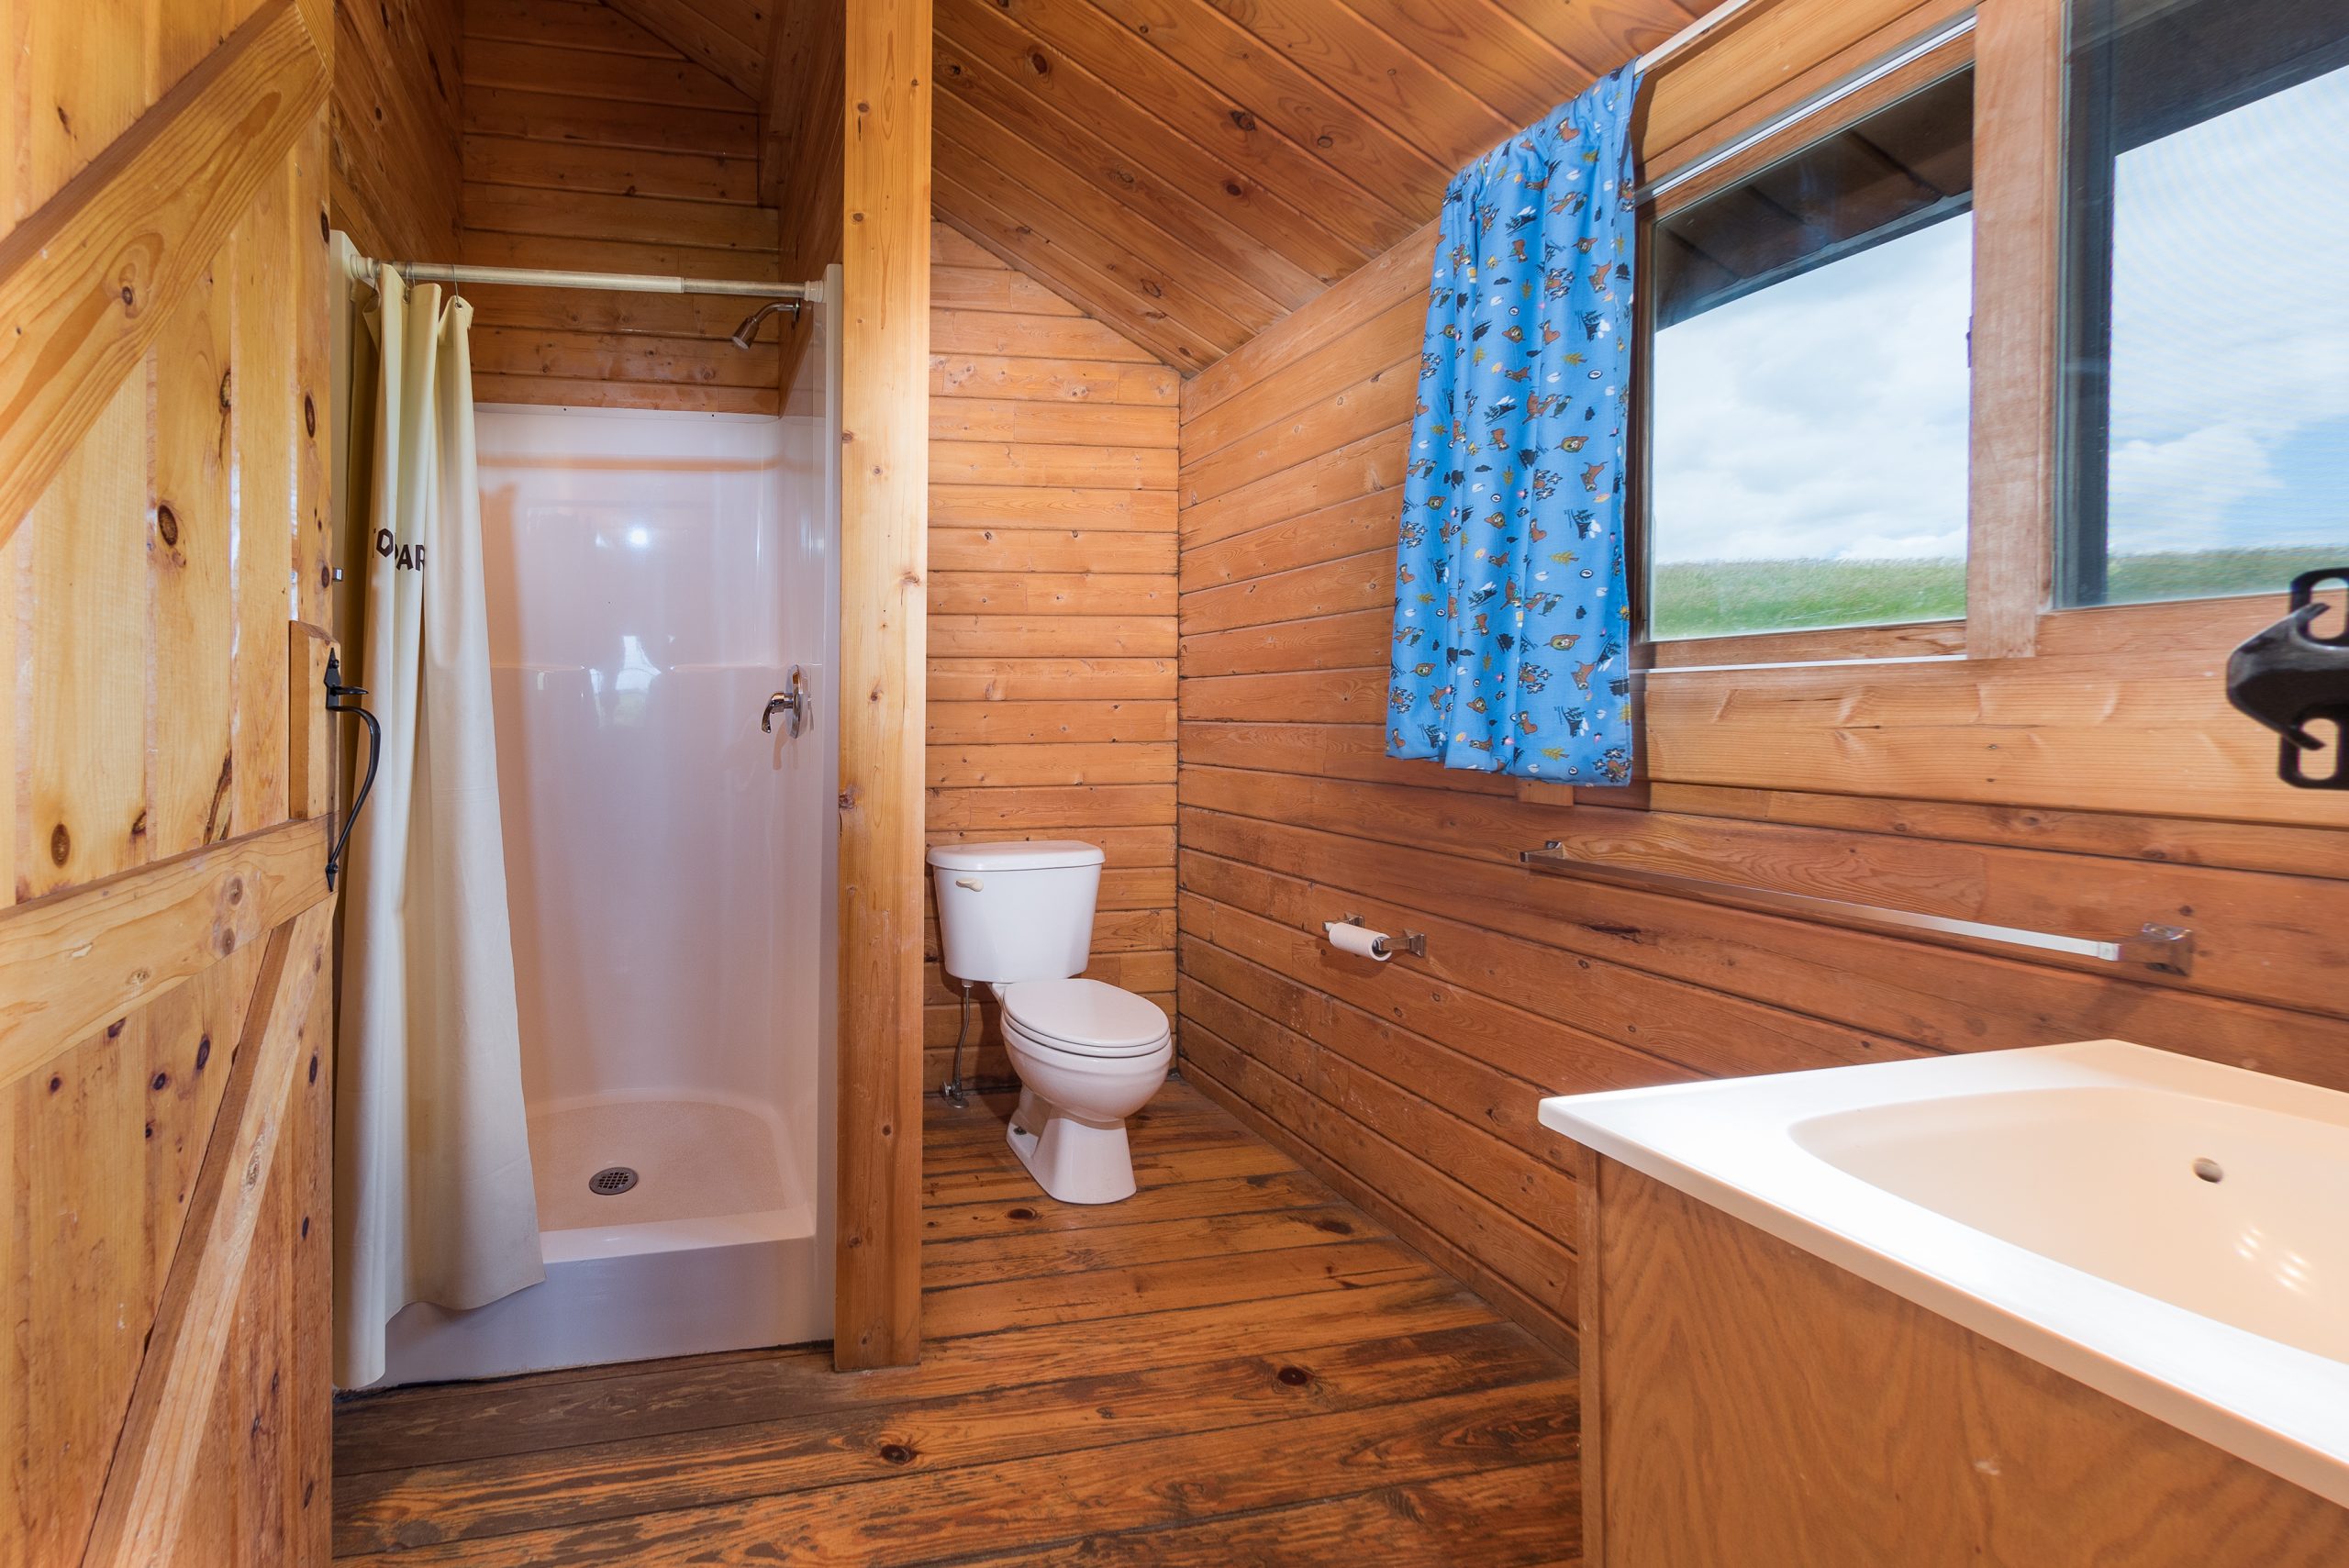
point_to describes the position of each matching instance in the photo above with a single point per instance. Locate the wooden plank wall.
(1412, 1086)
(397, 179)
(590, 144)
(144, 599)
(1051, 600)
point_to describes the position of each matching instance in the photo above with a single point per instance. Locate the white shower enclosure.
(652, 579)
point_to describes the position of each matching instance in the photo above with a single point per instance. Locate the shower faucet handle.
(793, 702)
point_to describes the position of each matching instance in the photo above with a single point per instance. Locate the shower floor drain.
(612, 1181)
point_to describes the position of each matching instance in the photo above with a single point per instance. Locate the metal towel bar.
(2167, 948)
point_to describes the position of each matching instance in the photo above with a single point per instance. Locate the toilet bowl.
(1017, 918)
(1088, 1056)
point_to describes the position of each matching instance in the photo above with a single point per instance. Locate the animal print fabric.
(1510, 610)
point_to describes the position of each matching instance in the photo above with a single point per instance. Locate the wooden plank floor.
(1231, 1367)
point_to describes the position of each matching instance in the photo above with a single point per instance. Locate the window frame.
(1898, 640)
(1769, 59)
(2019, 705)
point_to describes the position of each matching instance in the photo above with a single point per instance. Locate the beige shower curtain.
(433, 1199)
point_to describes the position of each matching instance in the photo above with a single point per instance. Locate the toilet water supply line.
(953, 1091)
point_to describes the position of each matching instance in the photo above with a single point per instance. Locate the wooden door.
(166, 1047)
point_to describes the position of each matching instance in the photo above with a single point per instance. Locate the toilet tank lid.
(1024, 855)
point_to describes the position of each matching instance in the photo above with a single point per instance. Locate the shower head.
(741, 335)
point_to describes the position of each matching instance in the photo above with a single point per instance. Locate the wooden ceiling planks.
(1178, 168)
(1367, 154)
(1192, 170)
(730, 37)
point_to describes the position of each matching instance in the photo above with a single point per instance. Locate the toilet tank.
(1016, 911)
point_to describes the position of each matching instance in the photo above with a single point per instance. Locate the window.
(1808, 431)
(2206, 312)
(1996, 362)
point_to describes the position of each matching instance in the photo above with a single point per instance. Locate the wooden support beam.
(87, 281)
(2017, 255)
(884, 473)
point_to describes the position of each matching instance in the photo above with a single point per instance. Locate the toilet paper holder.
(1412, 942)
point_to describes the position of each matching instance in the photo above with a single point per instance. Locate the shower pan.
(654, 579)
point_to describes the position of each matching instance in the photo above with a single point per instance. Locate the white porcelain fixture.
(651, 577)
(1017, 918)
(2172, 1232)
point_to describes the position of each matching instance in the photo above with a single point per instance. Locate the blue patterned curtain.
(1510, 613)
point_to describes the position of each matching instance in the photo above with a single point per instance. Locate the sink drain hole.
(2210, 1170)
(613, 1180)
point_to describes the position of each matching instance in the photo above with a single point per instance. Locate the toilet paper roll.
(1348, 937)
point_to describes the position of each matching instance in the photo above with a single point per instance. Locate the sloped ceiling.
(731, 37)
(1192, 170)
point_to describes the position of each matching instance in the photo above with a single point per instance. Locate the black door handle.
(2287, 675)
(335, 691)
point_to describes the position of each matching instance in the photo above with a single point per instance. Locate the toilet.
(1017, 918)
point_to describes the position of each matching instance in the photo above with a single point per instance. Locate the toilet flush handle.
(972, 882)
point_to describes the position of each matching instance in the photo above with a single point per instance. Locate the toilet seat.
(1083, 1017)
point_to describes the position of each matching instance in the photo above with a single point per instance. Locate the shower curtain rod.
(365, 270)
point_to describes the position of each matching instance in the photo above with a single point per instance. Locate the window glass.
(1808, 417)
(2206, 308)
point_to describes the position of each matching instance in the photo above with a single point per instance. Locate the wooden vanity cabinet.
(1746, 1405)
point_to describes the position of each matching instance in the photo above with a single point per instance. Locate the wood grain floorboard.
(1231, 1367)
(1516, 1516)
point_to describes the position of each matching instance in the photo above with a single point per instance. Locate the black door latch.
(2286, 676)
(336, 693)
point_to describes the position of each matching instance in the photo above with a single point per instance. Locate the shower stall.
(654, 579)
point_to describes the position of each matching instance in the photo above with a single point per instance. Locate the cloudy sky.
(2230, 329)
(1825, 418)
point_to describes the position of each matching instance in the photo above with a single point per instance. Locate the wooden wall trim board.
(884, 561)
